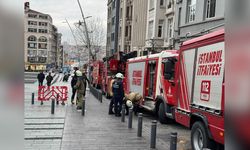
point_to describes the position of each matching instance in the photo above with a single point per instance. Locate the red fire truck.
(186, 86)
(97, 74)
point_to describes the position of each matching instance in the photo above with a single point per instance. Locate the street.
(68, 130)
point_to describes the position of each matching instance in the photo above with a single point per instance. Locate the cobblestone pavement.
(68, 130)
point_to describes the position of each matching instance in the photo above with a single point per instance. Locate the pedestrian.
(118, 93)
(73, 83)
(65, 77)
(111, 104)
(80, 89)
(85, 80)
(49, 79)
(40, 78)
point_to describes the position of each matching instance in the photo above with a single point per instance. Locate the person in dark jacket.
(40, 78)
(73, 83)
(49, 79)
(118, 92)
(85, 80)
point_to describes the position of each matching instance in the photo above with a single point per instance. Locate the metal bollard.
(130, 118)
(57, 97)
(173, 141)
(32, 98)
(123, 113)
(53, 106)
(139, 129)
(83, 107)
(153, 134)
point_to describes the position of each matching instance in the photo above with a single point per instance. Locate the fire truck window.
(169, 67)
(152, 67)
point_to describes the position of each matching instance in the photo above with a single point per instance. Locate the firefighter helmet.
(119, 75)
(78, 73)
(129, 103)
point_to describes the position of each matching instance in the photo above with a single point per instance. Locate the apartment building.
(156, 10)
(112, 27)
(197, 17)
(41, 40)
(132, 25)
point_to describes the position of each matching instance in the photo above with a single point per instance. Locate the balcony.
(169, 11)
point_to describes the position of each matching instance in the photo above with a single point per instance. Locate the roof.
(207, 36)
(165, 53)
(36, 12)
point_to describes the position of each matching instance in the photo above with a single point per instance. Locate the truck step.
(170, 115)
(149, 105)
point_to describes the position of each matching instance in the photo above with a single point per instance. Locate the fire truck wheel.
(199, 137)
(161, 114)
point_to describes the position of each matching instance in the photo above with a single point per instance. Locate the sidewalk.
(99, 131)
(68, 130)
(42, 131)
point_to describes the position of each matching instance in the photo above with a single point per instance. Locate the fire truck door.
(151, 78)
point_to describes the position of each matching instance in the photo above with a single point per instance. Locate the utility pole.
(75, 42)
(87, 35)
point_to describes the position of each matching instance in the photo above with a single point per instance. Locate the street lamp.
(87, 34)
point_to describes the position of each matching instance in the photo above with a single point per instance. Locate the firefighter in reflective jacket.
(117, 88)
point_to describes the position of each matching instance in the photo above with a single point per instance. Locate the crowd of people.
(79, 83)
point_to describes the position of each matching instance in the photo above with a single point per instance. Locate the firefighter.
(80, 89)
(85, 81)
(118, 93)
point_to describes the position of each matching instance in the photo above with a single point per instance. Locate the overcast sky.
(69, 9)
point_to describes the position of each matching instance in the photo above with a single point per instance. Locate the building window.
(210, 8)
(126, 31)
(42, 46)
(43, 31)
(113, 5)
(170, 28)
(31, 38)
(162, 2)
(112, 37)
(43, 17)
(32, 45)
(32, 23)
(32, 52)
(32, 15)
(32, 30)
(151, 4)
(113, 20)
(169, 4)
(191, 7)
(127, 12)
(42, 53)
(150, 29)
(42, 39)
(160, 28)
(159, 31)
(43, 24)
(121, 13)
(179, 20)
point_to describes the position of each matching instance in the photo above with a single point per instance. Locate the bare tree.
(96, 34)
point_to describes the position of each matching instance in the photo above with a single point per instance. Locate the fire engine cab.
(186, 86)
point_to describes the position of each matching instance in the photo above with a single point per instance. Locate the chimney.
(26, 6)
